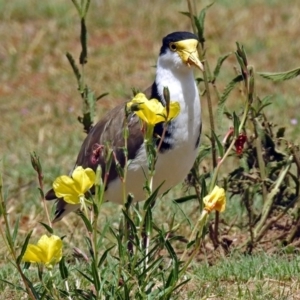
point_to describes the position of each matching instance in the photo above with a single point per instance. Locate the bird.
(177, 59)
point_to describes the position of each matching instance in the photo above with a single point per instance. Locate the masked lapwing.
(174, 69)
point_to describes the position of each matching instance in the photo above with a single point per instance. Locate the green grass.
(261, 276)
(39, 105)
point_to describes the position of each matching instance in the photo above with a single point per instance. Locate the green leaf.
(225, 95)
(85, 276)
(95, 275)
(199, 79)
(24, 247)
(148, 222)
(244, 163)
(281, 76)
(48, 228)
(181, 284)
(104, 255)
(132, 227)
(236, 124)
(91, 102)
(63, 269)
(185, 13)
(15, 232)
(16, 287)
(84, 294)
(86, 8)
(264, 103)
(77, 7)
(74, 67)
(184, 214)
(241, 57)
(154, 265)
(152, 197)
(86, 221)
(204, 191)
(101, 96)
(185, 199)
(89, 244)
(219, 145)
(219, 65)
(204, 150)
(201, 20)
(83, 41)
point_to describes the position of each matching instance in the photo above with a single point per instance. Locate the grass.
(248, 277)
(39, 104)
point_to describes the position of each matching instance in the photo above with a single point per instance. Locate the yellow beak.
(187, 50)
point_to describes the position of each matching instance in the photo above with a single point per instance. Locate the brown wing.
(109, 131)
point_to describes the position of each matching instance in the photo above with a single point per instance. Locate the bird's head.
(179, 49)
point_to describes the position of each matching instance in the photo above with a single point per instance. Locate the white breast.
(172, 165)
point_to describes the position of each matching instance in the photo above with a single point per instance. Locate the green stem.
(270, 198)
(197, 235)
(216, 172)
(8, 239)
(260, 160)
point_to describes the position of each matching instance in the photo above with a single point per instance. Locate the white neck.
(182, 87)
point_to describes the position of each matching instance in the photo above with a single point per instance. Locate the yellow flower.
(72, 189)
(48, 251)
(152, 111)
(216, 200)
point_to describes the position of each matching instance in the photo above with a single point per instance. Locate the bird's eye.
(172, 47)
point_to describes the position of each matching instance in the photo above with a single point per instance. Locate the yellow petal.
(33, 254)
(134, 104)
(151, 111)
(51, 248)
(139, 98)
(216, 200)
(84, 179)
(174, 110)
(65, 187)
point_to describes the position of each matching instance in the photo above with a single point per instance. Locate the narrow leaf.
(152, 197)
(86, 221)
(85, 276)
(48, 228)
(77, 7)
(185, 199)
(225, 95)
(95, 274)
(83, 41)
(101, 96)
(148, 222)
(219, 145)
(63, 269)
(236, 124)
(104, 255)
(281, 76)
(87, 5)
(201, 20)
(74, 67)
(219, 64)
(15, 232)
(24, 247)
